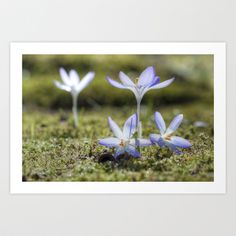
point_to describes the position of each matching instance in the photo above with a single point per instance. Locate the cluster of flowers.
(124, 141)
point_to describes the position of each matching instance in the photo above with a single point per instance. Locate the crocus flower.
(123, 141)
(166, 138)
(71, 83)
(147, 80)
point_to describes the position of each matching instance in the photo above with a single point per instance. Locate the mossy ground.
(53, 150)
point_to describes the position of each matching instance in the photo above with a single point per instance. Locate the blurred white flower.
(71, 83)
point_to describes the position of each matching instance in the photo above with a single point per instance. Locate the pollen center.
(122, 143)
(168, 137)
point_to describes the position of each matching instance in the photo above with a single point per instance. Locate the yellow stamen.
(122, 143)
(168, 137)
(136, 81)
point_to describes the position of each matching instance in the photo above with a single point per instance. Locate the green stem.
(139, 125)
(74, 110)
(138, 120)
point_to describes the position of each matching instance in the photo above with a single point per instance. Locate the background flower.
(71, 83)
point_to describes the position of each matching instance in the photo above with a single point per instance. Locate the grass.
(53, 150)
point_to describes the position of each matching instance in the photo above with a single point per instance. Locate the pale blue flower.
(166, 137)
(148, 80)
(71, 83)
(122, 140)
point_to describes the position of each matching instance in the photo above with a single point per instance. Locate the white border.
(219, 52)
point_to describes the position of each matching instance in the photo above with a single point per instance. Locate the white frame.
(218, 50)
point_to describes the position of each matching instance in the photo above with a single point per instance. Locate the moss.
(54, 151)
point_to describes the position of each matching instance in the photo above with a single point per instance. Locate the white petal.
(180, 142)
(130, 126)
(85, 81)
(119, 151)
(162, 84)
(65, 77)
(110, 142)
(115, 128)
(160, 123)
(144, 142)
(146, 77)
(62, 86)
(74, 77)
(131, 150)
(115, 83)
(175, 123)
(126, 80)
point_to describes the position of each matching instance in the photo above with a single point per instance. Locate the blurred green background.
(193, 73)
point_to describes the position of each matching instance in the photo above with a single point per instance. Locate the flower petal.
(62, 86)
(65, 77)
(160, 123)
(74, 77)
(146, 76)
(115, 128)
(130, 126)
(173, 148)
(115, 83)
(162, 84)
(132, 151)
(155, 81)
(85, 81)
(119, 151)
(180, 142)
(109, 142)
(144, 142)
(175, 123)
(126, 81)
(156, 138)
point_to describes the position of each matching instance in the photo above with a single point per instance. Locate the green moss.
(53, 150)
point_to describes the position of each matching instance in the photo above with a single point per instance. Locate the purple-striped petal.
(160, 123)
(155, 81)
(119, 151)
(74, 77)
(156, 138)
(180, 142)
(65, 77)
(85, 81)
(115, 83)
(130, 126)
(146, 77)
(62, 86)
(132, 151)
(162, 84)
(110, 142)
(144, 142)
(173, 148)
(115, 128)
(175, 123)
(126, 81)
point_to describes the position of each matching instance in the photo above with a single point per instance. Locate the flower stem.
(139, 125)
(138, 120)
(74, 110)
